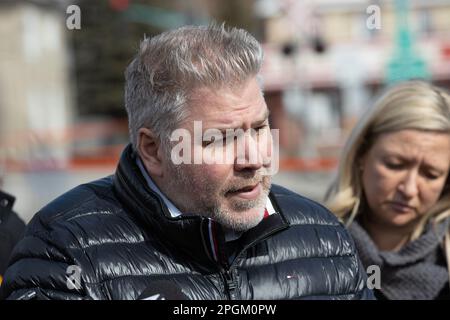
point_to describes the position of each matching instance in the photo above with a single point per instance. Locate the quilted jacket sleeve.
(40, 268)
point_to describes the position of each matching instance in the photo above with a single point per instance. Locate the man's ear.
(149, 148)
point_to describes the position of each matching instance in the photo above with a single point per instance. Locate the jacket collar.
(173, 210)
(195, 236)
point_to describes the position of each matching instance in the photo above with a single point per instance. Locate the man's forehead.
(232, 122)
(229, 105)
(226, 97)
(233, 116)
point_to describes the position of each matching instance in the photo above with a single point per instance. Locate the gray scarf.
(417, 271)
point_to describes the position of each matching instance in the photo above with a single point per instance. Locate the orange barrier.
(286, 164)
(76, 132)
(313, 164)
(92, 157)
(108, 157)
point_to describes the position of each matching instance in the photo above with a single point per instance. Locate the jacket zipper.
(230, 283)
(228, 274)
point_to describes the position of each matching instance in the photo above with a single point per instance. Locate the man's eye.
(210, 142)
(263, 127)
(217, 142)
(207, 143)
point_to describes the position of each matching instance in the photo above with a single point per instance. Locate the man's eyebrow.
(264, 119)
(254, 124)
(266, 116)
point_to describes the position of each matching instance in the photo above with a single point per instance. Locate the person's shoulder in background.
(12, 229)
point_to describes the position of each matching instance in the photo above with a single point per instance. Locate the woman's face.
(404, 174)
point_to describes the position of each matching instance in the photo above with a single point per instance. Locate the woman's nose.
(409, 185)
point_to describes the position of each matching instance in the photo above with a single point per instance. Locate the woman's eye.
(394, 166)
(431, 175)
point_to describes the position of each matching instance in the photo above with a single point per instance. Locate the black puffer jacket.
(121, 236)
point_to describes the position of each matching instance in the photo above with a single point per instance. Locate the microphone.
(162, 290)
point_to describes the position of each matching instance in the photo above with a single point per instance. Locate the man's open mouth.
(249, 192)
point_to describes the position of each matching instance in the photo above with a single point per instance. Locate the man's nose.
(248, 153)
(409, 185)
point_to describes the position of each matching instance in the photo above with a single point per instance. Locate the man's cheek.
(213, 173)
(270, 152)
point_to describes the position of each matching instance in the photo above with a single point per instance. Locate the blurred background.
(62, 120)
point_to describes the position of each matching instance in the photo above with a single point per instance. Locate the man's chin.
(241, 220)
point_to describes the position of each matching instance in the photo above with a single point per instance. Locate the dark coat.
(11, 229)
(121, 236)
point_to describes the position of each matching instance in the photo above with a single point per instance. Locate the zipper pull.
(230, 283)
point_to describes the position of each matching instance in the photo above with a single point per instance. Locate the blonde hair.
(410, 105)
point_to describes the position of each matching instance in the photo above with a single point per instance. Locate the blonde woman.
(393, 190)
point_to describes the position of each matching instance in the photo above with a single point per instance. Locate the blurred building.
(35, 91)
(324, 60)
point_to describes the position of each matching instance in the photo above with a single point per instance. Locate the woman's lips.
(249, 193)
(401, 207)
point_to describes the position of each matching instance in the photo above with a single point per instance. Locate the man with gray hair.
(190, 212)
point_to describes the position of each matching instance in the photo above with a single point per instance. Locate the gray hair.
(168, 67)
